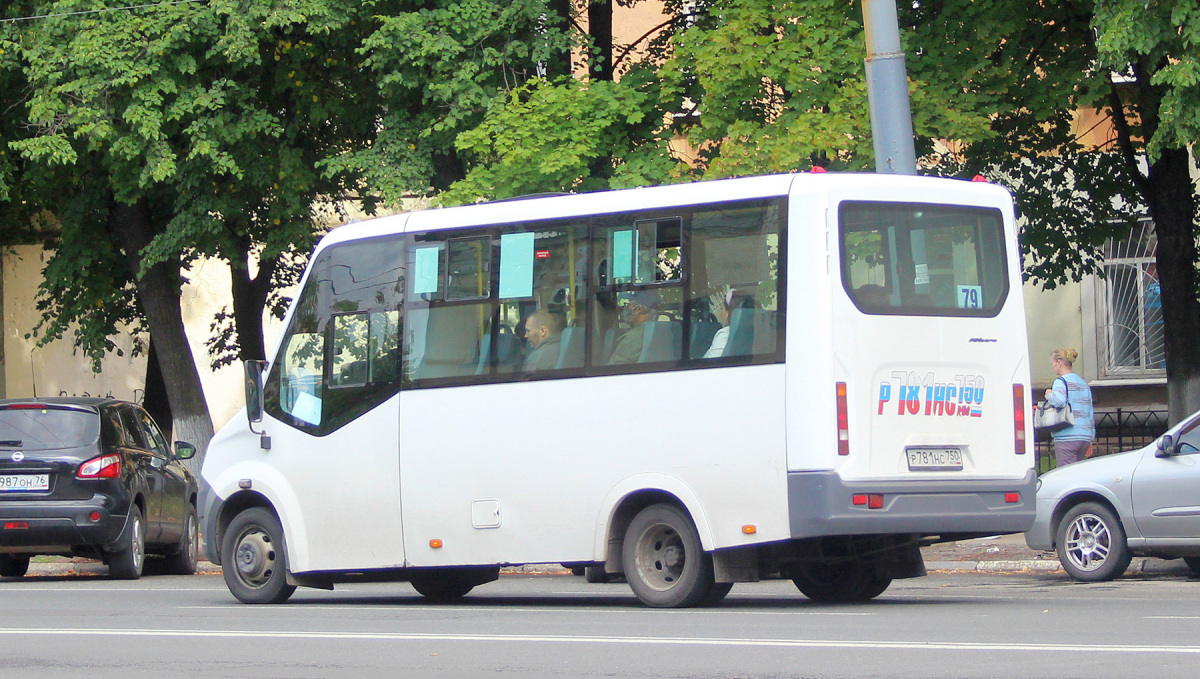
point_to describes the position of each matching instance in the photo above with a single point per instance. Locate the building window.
(1129, 308)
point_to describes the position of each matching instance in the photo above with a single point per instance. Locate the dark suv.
(93, 477)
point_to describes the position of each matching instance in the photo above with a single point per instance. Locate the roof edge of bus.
(602, 202)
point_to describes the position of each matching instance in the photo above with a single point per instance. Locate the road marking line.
(541, 609)
(74, 588)
(633, 641)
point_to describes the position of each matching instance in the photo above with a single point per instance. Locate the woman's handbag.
(1052, 419)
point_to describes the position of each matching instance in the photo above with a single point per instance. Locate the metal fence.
(1116, 431)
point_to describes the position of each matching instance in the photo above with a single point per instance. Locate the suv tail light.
(103, 467)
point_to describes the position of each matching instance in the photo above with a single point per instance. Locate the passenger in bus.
(641, 306)
(722, 308)
(543, 331)
(872, 296)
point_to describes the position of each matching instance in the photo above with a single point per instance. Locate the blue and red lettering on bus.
(909, 393)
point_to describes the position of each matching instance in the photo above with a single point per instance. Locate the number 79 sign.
(970, 297)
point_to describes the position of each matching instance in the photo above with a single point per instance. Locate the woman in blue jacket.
(1071, 444)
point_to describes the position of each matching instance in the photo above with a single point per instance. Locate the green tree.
(1157, 46)
(777, 85)
(169, 133)
(156, 135)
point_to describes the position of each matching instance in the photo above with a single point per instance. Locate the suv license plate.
(934, 459)
(24, 483)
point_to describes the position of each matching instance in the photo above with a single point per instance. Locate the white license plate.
(934, 459)
(24, 483)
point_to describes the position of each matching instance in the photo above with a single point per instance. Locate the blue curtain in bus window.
(542, 272)
(637, 314)
(452, 287)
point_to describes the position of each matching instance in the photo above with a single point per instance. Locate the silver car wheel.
(1088, 542)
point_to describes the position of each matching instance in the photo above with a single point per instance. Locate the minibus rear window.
(923, 260)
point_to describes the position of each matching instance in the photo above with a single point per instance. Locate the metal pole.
(887, 90)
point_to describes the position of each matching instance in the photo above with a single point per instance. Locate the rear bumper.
(58, 525)
(820, 503)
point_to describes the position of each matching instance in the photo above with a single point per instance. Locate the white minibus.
(806, 376)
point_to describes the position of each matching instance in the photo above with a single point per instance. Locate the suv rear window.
(46, 427)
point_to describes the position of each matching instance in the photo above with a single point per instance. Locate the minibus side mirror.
(254, 390)
(254, 399)
(1166, 446)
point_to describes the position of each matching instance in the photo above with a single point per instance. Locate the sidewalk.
(1009, 554)
(1002, 554)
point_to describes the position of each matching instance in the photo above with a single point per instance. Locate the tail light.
(103, 467)
(1019, 418)
(843, 421)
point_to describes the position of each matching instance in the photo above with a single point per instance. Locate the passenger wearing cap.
(642, 306)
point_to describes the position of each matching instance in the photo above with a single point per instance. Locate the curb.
(1139, 565)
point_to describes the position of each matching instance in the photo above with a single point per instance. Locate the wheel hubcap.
(136, 547)
(193, 538)
(661, 557)
(255, 558)
(1089, 542)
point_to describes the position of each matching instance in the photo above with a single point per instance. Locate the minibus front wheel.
(254, 558)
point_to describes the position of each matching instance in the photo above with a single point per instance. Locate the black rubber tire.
(1193, 564)
(840, 582)
(129, 559)
(182, 560)
(441, 586)
(1090, 541)
(254, 557)
(13, 566)
(595, 574)
(716, 594)
(664, 562)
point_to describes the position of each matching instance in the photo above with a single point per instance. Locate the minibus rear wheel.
(840, 582)
(255, 558)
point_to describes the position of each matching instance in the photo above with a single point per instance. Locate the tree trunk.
(155, 399)
(1169, 194)
(1172, 206)
(560, 64)
(158, 292)
(249, 301)
(600, 28)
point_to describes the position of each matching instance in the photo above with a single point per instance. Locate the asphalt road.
(943, 625)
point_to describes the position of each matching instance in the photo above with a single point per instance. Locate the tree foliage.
(996, 88)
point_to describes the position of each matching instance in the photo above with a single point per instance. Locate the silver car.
(1099, 513)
